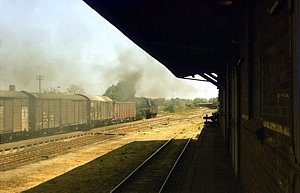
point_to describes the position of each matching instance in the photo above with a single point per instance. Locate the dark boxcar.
(145, 108)
(100, 110)
(124, 111)
(51, 113)
(153, 109)
(13, 114)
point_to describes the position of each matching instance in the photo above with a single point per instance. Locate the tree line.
(178, 104)
(125, 91)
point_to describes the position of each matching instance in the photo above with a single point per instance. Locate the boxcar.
(124, 111)
(13, 114)
(100, 110)
(52, 113)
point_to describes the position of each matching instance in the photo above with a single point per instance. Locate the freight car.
(100, 110)
(13, 115)
(53, 113)
(124, 111)
(27, 115)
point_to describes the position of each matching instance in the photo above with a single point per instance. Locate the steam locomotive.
(27, 115)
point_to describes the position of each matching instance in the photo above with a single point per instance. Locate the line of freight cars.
(27, 115)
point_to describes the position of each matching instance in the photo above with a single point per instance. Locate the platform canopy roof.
(187, 36)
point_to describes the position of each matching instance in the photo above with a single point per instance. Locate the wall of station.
(260, 128)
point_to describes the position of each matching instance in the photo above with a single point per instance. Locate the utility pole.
(40, 78)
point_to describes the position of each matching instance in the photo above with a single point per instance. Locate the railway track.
(121, 129)
(46, 149)
(14, 160)
(41, 150)
(153, 174)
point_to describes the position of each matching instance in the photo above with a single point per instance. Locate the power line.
(40, 78)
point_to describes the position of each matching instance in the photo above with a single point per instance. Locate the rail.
(35, 150)
(164, 178)
(10, 161)
(175, 164)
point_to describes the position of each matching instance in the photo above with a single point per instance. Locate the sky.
(67, 43)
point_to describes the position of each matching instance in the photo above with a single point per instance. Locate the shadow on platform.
(208, 169)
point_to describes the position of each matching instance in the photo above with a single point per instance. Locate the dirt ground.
(31, 175)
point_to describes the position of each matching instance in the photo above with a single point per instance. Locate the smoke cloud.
(150, 78)
(68, 43)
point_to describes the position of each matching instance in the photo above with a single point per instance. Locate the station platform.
(209, 169)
